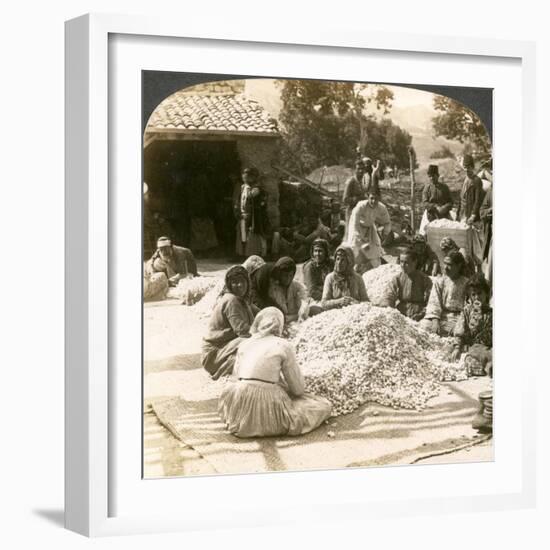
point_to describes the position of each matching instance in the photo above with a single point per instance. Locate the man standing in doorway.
(251, 212)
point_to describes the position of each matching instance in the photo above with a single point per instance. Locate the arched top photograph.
(317, 274)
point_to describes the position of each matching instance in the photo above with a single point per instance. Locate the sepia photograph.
(317, 275)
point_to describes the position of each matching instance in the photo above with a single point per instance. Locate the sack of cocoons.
(377, 282)
(191, 290)
(363, 353)
(448, 224)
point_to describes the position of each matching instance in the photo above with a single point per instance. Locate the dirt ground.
(172, 331)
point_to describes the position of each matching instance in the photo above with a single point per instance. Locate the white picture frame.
(91, 212)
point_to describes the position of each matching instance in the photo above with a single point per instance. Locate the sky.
(408, 97)
(268, 94)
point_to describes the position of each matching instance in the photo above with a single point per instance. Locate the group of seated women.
(244, 338)
(265, 395)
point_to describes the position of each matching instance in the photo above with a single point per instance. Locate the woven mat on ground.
(371, 436)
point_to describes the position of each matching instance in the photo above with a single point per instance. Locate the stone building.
(196, 144)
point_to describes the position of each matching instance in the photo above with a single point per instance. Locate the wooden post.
(412, 158)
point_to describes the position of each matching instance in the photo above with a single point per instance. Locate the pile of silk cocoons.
(363, 353)
(192, 290)
(205, 306)
(447, 224)
(377, 282)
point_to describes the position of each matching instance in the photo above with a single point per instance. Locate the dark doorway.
(190, 194)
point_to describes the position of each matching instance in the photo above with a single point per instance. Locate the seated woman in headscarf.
(343, 287)
(447, 245)
(317, 268)
(409, 290)
(446, 297)
(229, 323)
(252, 264)
(273, 285)
(266, 396)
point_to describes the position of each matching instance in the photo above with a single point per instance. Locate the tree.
(443, 153)
(460, 123)
(324, 122)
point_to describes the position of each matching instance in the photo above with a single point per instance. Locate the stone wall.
(261, 152)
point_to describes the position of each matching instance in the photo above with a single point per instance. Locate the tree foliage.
(324, 123)
(443, 153)
(460, 123)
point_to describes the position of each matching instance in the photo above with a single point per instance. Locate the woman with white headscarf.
(267, 395)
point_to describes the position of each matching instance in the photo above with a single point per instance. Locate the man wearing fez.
(436, 194)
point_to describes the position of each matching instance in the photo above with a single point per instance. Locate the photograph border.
(87, 352)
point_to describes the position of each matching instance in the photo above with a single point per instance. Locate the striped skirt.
(253, 408)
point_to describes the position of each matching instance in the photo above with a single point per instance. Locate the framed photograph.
(285, 281)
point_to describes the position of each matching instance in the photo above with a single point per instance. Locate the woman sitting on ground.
(343, 287)
(474, 329)
(273, 285)
(409, 290)
(447, 296)
(266, 396)
(317, 268)
(447, 245)
(229, 323)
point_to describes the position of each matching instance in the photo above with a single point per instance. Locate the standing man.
(353, 191)
(436, 194)
(471, 194)
(486, 214)
(251, 212)
(363, 235)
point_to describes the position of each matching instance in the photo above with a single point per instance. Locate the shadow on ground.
(56, 517)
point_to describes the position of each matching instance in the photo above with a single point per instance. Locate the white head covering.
(252, 263)
(269, 321)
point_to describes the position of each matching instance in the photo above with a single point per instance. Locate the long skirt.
(254, 245)
(220, 361)
(253, 408)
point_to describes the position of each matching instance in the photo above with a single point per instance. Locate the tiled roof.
(215, 113)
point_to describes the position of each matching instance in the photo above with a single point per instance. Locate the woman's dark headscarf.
(324, 245)
(283, 265)
(237, 271)
(268, 271)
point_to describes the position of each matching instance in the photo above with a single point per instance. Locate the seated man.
(174, 261)
(447, 245)
(409, 290)
(428, 263)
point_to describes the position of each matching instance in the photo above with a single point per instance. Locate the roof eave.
(187, 131)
